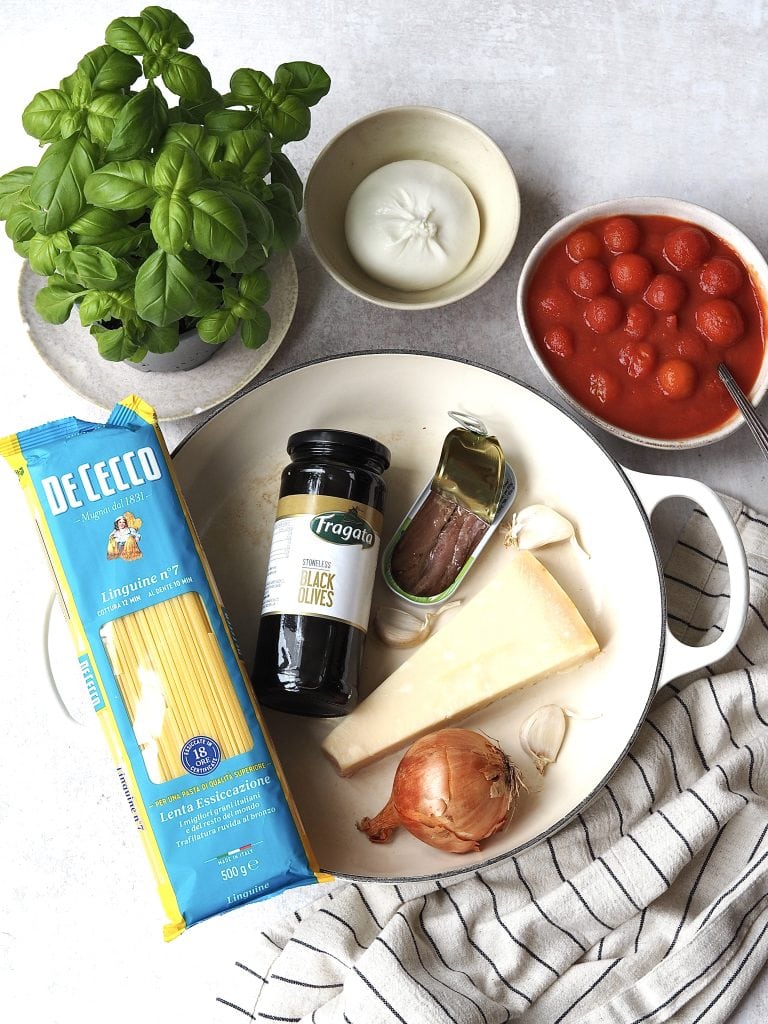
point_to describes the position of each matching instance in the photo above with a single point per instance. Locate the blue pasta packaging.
(162, 668)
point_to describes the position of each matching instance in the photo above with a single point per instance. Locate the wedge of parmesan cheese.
(519, 628)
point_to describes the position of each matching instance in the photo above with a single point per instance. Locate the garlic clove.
(396, 627)
(536, 526)
(542, 734)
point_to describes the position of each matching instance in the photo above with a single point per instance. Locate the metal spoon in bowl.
(755, 424)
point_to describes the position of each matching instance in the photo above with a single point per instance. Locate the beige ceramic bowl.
(712, 222)
(411, 133)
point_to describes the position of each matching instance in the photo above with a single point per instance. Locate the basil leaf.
(42, 252)
(185, 75)
(283, 172)
(222, 122)
(42, 116)
(282, 209)
(171, 222)
(196, 111)
(127, 35)
(288, 118)
(54, 302)
(94, 268)
(177, 170)
(217, 327)
(218, 228)
(307, 81)
(124, 185)
(208, 298)
(108, 69)
(255, 331)
(140, 125)
(116, 344)
(197, 138)
(168, 25)
(166, 288)
(58, 181)
(12, 187)
(161, 339)
(102, 114)
(255, 287)
(95, 306)
(19, 224)
(249, 149)
(251, 88)
(255, 213)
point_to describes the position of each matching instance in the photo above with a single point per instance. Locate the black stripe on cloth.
(694, 737)
(635, 761)
(514, 938)
(704, 970)
(586, 836)
(482, 952)
(668, 745)
(734, 976)
(569, 883)
(415, 980)
(651, 861)
(751, 682)
(282, 1020)
(442, 960)
(426, 970)
(728, 785)
(722, 713)
(586, 992)
(297, 915)
(610, 793)
(693, 889)
(640, 928)
(724, 895)
(704, 804)
(306, 984)
(705, 629)
(676, 830)
(234, 1006)
(378, 994)
(270, 939)
(756, 847)
(399, 894)
(324, 910)
(322, 952)
(543, 913)
(618, 882)
(250, 970)
(751, 767)
(367, 905)
(692, 586)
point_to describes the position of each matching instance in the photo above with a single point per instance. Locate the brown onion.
(452, 789)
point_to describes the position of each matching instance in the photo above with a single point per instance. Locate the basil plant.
(151, 218)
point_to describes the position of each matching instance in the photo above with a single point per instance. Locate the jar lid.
(343, 444)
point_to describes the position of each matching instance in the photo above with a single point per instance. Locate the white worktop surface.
(589, 101)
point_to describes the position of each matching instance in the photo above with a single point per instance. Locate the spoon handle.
(755, 424)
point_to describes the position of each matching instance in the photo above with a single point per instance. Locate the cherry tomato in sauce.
(666, 293)
(589, 279)
(677, 378)
(583, 245)
(603, 314)
(720, 278)
(631, 273)
(686, 247)
(621, 234)
(560, 341)
(646, 360)
(640, 319)
(720, 321)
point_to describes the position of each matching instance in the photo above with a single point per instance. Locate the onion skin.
(452, 789)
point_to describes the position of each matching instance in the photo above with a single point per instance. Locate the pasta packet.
(160, 663)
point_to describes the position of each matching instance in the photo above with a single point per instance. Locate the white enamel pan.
(229, 470)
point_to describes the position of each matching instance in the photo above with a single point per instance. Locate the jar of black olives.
(321, 571)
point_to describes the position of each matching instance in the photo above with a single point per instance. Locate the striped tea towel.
(652, 905)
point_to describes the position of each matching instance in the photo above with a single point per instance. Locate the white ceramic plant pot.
(191, 351)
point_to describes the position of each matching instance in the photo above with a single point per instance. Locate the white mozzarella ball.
(412, 225)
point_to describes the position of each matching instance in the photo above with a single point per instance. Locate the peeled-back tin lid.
(471, 467)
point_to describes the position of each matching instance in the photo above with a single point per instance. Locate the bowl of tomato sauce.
(629, 306)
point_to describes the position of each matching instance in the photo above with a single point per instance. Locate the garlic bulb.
(396, 627)
(538, 525)
(542, 734)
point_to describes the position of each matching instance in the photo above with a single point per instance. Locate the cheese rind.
(519, 628)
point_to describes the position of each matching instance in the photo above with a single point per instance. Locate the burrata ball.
(412, 225)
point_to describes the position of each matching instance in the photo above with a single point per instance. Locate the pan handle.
(680, 658)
